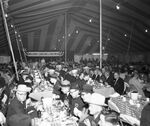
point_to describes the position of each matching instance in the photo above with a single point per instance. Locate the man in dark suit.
(17, 114)
(109, 78)
(118, 84)
(76, 104)
(145, 116)
(64, 94)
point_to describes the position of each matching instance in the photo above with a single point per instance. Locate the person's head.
(24, 76)
(65, 90)
(99, 72)
(91, 71)
(74, 93)
(81, 76)
(59, 67)
(86, 69)
(95, 109)
(74, 72)
(74, 90)
(107, 73)
(21, 92)
(141, 78)
(109, 119)
(96, 103)
(103, 70)
(96, 71)
(86, 77)
(116, 75)
(65, 86)
(86, 92)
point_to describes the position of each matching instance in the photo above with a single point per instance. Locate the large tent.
(40, 25)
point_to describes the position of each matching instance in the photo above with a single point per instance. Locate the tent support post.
(66, 37)
(100, 27)
(8, 38)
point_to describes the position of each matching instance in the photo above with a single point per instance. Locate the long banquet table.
(53, 112)
(130, 109)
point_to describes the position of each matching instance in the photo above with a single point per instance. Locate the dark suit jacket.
(93, 76)
(64, 97)
(76, 102)
(17, 115)
(110, 80)
(119, 86)
(70, 78)
(96, 77)
(62, 73)
(80, 83)
(145, 116)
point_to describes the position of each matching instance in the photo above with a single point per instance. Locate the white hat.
(59, 66)
(97, 99)
(65, 82)
(86, 68)
(28, 81)
(51, 71)
(74, 71)
(23, 88)
(53, 80)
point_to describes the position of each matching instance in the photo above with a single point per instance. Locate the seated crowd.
(74, 85)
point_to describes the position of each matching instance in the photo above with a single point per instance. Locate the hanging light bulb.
(103, 48)
(11, 26)
(146, 30)
(90, 20)
(6, 15)
(15, 32)
(77, 31)
(117, 7)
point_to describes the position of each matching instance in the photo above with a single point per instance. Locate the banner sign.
(44, 54)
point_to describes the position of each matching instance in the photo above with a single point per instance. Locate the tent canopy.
(40, 25)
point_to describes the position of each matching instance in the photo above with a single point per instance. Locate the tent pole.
(9, 40)
(100, 27)
(66, 37)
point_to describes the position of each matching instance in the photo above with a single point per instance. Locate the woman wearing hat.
(17, 114)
